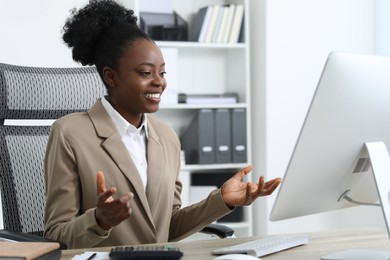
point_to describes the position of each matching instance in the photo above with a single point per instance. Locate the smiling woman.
(137, 83)
(112, 173)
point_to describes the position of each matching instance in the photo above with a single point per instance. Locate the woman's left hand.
(235, 192)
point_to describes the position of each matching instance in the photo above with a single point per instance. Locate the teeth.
(153, 95)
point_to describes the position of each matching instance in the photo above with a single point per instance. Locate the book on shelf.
(237, 24)
(225, 98)
(198, 23)
(219, 24)
(223, 24)
(241, 37)
(29, 250)
(212, 24)
(228, 25)
(202, 23)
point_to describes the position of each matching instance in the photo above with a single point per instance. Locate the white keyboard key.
(266, 245)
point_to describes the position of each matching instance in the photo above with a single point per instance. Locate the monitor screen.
(348, 119)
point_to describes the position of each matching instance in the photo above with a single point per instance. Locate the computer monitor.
(340, 157)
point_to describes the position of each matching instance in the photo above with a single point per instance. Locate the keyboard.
(265, 246)
(145, 252)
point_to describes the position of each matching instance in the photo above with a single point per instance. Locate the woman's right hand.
(109, 211)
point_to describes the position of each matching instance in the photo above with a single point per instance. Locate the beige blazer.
(81, 144)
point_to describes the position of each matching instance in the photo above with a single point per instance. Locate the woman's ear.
(109, 76)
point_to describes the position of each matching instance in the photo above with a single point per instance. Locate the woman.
(112, 173)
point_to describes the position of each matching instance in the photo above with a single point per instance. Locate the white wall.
(382, 28)
(31, 32)
(290, 43)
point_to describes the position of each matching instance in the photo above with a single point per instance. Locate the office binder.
(198, 139)
(238, 127)
(222, 136)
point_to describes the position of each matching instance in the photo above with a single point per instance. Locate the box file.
(223, 152)
(198, 140)
(216, 136)
(238, 127)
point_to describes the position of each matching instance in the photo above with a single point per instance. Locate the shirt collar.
(121, 124)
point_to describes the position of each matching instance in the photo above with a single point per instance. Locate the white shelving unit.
(209, 68)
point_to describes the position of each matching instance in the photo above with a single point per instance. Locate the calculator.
(145, 252)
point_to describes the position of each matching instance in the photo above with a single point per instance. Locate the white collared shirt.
(135, 139)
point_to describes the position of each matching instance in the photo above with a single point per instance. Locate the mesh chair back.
(47, 93)
(22, 151)
(35, 93)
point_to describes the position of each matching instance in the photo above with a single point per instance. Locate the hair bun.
(84, 26)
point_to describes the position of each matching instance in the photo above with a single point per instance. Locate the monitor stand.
(380, 164)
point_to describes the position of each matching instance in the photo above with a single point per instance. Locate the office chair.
(31, 98)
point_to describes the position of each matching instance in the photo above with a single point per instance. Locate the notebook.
(29, 250)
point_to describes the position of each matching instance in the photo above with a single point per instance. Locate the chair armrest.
(221, 231)
(14, 236)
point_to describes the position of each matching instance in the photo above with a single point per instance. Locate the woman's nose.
(159, 80)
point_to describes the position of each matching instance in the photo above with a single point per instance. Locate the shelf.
(200, 106)
(200, 45)
(208, 167)
(234, 225)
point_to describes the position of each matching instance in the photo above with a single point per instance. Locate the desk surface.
(320, 244)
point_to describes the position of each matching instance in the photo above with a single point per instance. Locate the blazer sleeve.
(66, 224)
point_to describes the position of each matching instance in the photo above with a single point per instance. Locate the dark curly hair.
(100, 32)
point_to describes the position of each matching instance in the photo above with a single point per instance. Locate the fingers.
(261, 181)
(125, 199)
(275, 183)
(122, 206)
(112, 212)
(241, 174)
(106, 196)
(100, 182)
(260, 190)
(270, 186)
(249, 194)
(109, 211)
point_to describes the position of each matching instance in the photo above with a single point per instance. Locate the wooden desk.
(320, 244)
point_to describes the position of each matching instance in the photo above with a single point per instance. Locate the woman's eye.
(145, 73)
(162, 74)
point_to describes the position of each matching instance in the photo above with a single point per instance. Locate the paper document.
(87, 254)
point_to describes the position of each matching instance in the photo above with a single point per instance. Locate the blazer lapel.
(155, 155)
(118, 152)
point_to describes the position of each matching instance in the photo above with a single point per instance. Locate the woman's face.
(136, 86)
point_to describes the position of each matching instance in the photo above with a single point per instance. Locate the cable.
(347, 198)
